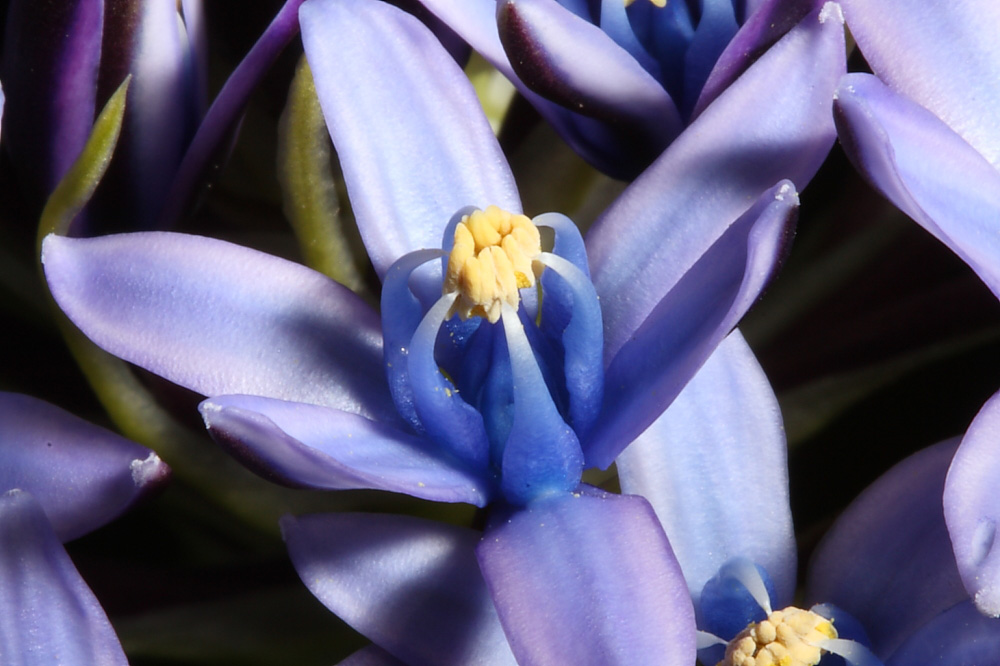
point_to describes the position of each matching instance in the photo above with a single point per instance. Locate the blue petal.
(48, 615)
(714, 468)
(50, 62)
(888, 560)
(972, 508)
(571, 61)
(412, 586)
(716, 27)
(691, 320)
(761, 30)
(83, 476)
(371, 656)
(222, 118)
(588, 578)
(317, 447)
(222, 319)
(542, 454)
(960, 636)
(924, 168)
(411, 135)
(945, 56)
(774, 122)
(615, 22)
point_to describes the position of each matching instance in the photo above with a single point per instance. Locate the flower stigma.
(789, 637)
(493, 256)
(659, 3)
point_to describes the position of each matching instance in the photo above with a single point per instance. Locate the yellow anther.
(492, 257)
(789, 637)
(659, 3)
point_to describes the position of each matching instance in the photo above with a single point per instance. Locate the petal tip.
(150, 471)
(831, 10)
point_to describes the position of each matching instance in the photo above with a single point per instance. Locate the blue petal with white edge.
(48, 615)
(691, 320)
(316, 447)
(945, 56)
(588, 578)
(887, 560)
(924, 168)
(410, 585)
(82, 476)
(222, 319)
(972, 508)
(714, 468)
(412, 138)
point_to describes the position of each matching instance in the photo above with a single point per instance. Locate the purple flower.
(60, 477)
(309, 388)
(620, 80)
(926, 131)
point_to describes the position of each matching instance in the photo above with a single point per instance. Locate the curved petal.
(924, 168)
(723, 433)
(223, 116)
(588, 578)
(411, 585)
(945, 56)
(222, 319)
(691, 320)
(50, 60)
(371, 656)
(961, 636)
(887, 560)
(571, 61)
(972, 508)
(82, 476)
(412, 139)
(317, 447)
(48, 615)
(669, 217)
(763, 28)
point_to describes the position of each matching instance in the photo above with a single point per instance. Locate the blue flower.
(621, 79)
(308, 387)
(60, 478)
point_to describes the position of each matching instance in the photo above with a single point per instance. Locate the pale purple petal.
(961, 636)
(888, 560)
(318, 447)
(222, 319)
(50, 61)
(664, 353)
(410, 585)
(943, 55)
(714, 468)
(571, 61)
(762, 29)
(669, 217)
(48, 615)
(972, 508)
(588, 578)
(410, 133)
(924, 168)
(83, 476)
(207, 149)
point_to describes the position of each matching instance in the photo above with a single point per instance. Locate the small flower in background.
(621, 80)
(61, 477)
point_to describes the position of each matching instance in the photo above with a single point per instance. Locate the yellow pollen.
(659, 3)
(788, 637)
(491, 259)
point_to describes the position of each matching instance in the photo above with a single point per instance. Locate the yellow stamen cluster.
(659, 3)
(493, 256)
(788, 637)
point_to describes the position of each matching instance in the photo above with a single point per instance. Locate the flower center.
(659, 3)
(492, 257)
(788, 637)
